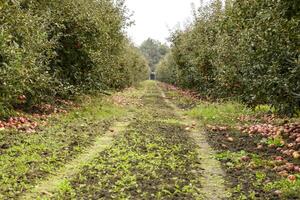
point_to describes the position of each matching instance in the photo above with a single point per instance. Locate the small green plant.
(260, 176)
(276, 141)
(65, 188)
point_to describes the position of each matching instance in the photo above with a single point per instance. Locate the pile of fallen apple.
(288, 134)
(289, 137)
(28, 125)
(285, 168)
(19, 123)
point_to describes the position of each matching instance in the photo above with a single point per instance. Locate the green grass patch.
(235, 159)
(172, 121)
(276, 141)
(264, 108)
(226, 113)
(93, 108)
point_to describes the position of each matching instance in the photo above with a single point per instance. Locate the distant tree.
(154, 51)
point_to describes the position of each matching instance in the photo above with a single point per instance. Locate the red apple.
(292, 178)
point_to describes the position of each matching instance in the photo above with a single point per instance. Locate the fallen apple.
(22, 98)
(296, 155)
(187, 128)
(245, 158)
(289, 166)
(283, 173)
(279, 158)
(292, 178)
(278, 192)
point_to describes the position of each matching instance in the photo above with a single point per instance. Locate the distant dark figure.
(152, 76)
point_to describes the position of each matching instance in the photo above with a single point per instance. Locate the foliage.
(247, 50)
(24, 55)
(164, 72)
(154, 51)
(133, 67)
(62, 48)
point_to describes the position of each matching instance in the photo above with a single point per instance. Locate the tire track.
(50, 185)
(212, 181)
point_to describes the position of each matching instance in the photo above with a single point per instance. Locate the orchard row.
(242, 50)
(53, 49)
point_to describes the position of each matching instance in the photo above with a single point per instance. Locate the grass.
(28, 158)
(276, 141)
(225, 113)
(234, 159)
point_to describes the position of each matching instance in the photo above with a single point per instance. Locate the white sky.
(154, 18)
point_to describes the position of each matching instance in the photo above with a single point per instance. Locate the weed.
(276, 141)
(65, 187)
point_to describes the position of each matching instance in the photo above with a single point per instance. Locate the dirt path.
(152, 156)
(213, 183)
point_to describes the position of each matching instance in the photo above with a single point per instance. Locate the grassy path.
(154, 158)
(213, 176)
(149, 153)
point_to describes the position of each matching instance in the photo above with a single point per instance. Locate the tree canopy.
(247, 50)
(154, 51)
(58, 48)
